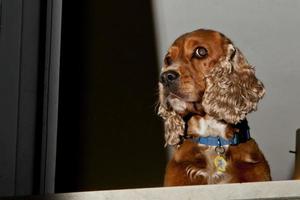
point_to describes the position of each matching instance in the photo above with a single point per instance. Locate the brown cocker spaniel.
(207, 88)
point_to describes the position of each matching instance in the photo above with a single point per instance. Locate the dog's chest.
(215, 171)
(213, 168)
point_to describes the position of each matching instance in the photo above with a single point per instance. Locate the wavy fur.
(232, 90)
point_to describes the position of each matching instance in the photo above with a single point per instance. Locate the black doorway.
(109, 136)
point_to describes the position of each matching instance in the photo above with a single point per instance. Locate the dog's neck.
(198, 126)
(210, 131)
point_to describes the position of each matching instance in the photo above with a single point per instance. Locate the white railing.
(262, 190)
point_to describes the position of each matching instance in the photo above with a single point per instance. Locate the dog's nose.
(168, 77)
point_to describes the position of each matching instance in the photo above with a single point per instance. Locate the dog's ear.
(173, 122)
(232, 90)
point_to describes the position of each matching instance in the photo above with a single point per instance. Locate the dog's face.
(186, 64)
(204, 73)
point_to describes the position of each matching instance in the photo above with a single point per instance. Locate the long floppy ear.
(173, 122)
(232, 90)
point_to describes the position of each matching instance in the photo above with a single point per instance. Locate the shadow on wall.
(108, 133)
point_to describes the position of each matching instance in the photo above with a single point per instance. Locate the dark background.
(109, 136)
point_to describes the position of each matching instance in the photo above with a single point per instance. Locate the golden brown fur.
(189, 156)
(232, 90)
(207, 76)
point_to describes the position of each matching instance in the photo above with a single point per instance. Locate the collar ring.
(220, 150)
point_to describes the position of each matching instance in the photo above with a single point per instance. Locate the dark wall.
(19, 69)
(10, 46)
(109, 135)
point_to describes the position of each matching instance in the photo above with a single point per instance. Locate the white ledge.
(261, 190)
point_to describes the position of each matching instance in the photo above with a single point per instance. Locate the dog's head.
(204, 72)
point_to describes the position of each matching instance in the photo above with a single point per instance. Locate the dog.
(206, 89)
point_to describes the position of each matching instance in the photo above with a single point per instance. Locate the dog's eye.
(200, 52)
(168, 60)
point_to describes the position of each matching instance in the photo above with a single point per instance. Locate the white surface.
(268, 33)
(287, 189)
